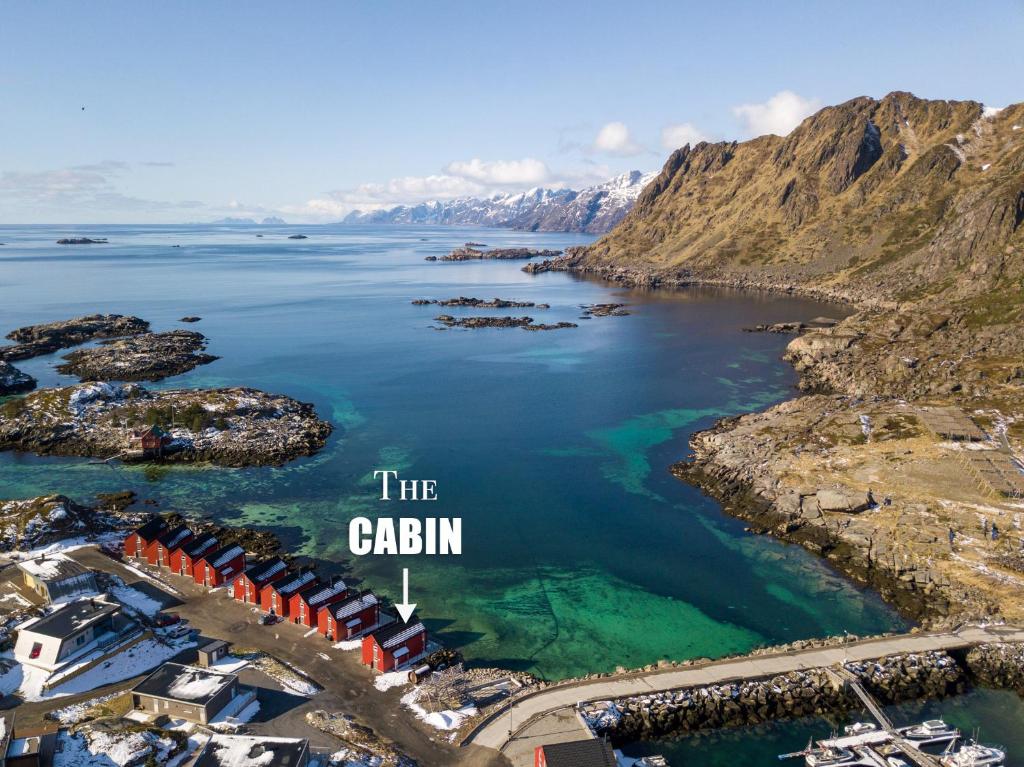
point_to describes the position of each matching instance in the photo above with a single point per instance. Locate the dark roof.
(392, 632)
(307, 591)
(200, 544)
(216, 644)
(265, 569)
(151, 529)
(173, 537)
(354, 604)
(225, 555)
(224, 750)
(72, 618)
(190, 684)
(288, 586)
(580, 753)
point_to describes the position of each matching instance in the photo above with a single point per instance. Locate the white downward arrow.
(404, 608)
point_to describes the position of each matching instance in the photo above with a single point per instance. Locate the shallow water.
(580, 552)
(996, 715)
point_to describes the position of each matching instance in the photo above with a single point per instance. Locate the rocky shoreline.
(228, 427)
(14, 381)
(37, 340)
(479, 303)
(142, 357)
(525, 323)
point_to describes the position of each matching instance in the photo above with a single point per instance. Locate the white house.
(68, 632)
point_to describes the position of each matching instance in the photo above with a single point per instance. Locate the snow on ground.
(65, 545)
(230, 664)
(391, 679)
(164, 585)
(348, 644)
(310, 632)
(235, 714)
(103, 749)
(142, 657)
(439, 720)
(347, 757)
(135, 601)
(76, 711)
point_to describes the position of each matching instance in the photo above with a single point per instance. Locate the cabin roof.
(151, 529)
(172, 538)
(260, 571)
(580, 753)
(199, 545)
(395, 633)
(353, 605)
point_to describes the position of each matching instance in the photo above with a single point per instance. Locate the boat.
(859, 728)
(973, 754)
(929, 732)
(830, 756)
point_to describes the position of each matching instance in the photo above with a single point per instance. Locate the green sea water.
(580, 552)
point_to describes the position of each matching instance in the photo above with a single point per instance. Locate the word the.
(408, 489)
(405, 535)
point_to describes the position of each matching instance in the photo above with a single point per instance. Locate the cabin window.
(37, 648)
(80, 640)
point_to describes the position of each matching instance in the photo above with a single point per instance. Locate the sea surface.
(580, 552)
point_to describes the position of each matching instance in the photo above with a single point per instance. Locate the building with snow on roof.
(56, 578)
(253, 751)
(189, 692)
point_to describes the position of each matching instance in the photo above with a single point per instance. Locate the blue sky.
(195, 110)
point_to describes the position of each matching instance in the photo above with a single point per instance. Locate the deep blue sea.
(580, 552)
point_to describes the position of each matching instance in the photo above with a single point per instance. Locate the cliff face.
(895, 199)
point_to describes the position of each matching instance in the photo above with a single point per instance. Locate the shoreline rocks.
(14, 381)
(190, 318)
(604, 310)
(502, 254)
(82, 241)
(144, 357)
(228, 427)
(526, 323)
(37, 340)
(479, 303)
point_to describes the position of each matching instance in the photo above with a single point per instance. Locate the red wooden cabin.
(395, 645)
(304, 605)
(219, 567)
(184, 558)
(349, 618)
(168, 542)
(274, 597)
(248, 585)
(137, 541)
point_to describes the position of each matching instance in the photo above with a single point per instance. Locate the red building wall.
(206, 574)
(267, 603)
(386, 658)
(149, 552)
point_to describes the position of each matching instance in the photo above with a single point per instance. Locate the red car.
(167, 619)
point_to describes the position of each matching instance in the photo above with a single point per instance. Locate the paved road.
(528, 715)
(348, 684)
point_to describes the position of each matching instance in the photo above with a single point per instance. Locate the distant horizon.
(368, 106)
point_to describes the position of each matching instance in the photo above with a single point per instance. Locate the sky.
(128, 112)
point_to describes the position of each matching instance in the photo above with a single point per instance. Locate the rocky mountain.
(880, 199)
(595, 209)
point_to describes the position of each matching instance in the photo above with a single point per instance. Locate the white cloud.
(675, 136)
(614, 138)
(501, 172)
(779, 115)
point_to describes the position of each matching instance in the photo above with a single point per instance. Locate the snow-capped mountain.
(595, 209)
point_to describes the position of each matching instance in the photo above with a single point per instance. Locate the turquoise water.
(996, 715)
(580, 552)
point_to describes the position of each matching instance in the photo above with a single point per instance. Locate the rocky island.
(902, 461)
(37, 340)
(504, 254)
(82, 241)
(228, 427)
(13, 381)
(145, 357)
(479, 303)
(526, 323)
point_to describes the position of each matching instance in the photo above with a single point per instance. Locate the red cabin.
(184, 558)
(169, 542)
(304, 606)
(274, 596)
(394, 646)
(219, 567)
(576, 753)
(247, 586)
(350, 618)
(139, 540)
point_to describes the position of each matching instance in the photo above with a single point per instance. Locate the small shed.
(395, 646)
(210, 653)
(56, 577)
(142, 538)
(576, 753)
(148, 442)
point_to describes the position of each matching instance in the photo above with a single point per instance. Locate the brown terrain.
(912, 422)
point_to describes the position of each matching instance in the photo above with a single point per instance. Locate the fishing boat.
(973, 754)
(859, 728)
(928, 732)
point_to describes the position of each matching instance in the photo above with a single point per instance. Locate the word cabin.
(405, 535)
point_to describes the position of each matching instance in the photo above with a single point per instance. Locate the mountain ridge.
(596, 209)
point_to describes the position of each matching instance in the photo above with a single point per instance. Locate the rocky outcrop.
(82, 241)
(34, 522)
(13, 381)
(526, 323)
(500, 254)
(814, 692)
(367, 746)
(479, 303)
(229, 427)
(998, 665)
(604, 310)
(145, 357)
(36, 340)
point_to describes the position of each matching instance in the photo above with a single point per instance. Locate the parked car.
(177, 631)
(167, 619)
(270, 619)
(112, 550)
